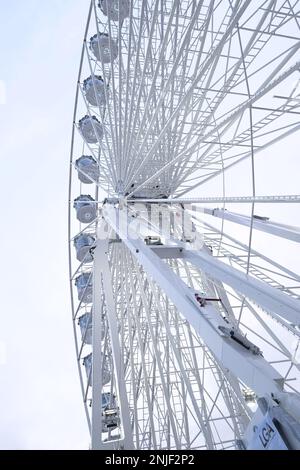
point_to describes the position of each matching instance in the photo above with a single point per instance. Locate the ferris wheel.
(187, 332)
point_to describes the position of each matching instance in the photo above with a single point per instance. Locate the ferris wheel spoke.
(241, 416)
(134, 114)
(168, 83)
(182, 393)
(230, 251)
(252, 100)
(130, 104)
(236, 159)
(159, 363)
(152, 91)
(262, 224)
(183, 373)
(144, 370)
(276, 343)
(127, 83)
(206, 65)
(227, 86)
(133, 377)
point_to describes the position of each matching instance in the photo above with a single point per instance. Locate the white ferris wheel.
(187, 334)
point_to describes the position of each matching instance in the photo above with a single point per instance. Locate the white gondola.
(86, 323)
(91, 129)
(104, 48)
(84, 284)
(94, 89)
(106, 376)
(110, 412)
(86, 209)
(87, 166)
(86, 326)
(115, 9)
(83, 244)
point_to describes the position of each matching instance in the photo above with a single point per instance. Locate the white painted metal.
(267, 297)
(263, 224)
(102, 273)
(97, 327)
(206, 320)
(216, 200)
(193, 323)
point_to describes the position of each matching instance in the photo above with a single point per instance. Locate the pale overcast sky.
(40, 405)
(40, 402)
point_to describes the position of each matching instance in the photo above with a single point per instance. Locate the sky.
(41, 405)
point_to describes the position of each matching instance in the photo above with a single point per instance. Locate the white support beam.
(267, 297)
(225, 200)
(264, 225)
(96, 425)
(102, 270)
(251, 368)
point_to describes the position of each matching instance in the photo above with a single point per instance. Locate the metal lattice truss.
(181, 324)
